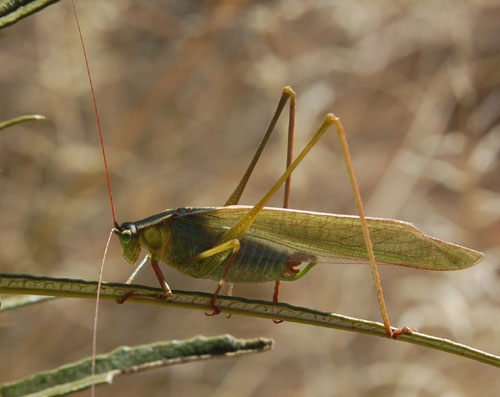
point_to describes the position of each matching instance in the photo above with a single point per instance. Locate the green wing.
(339, 238)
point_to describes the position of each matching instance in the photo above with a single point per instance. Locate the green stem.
(32, 285)
(21, 119)
(12, 11)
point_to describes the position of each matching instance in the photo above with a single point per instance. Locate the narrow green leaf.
(14, 302)
(13, 10)
(128, 360)
(20, 119)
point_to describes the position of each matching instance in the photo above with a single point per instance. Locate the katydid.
(252, 244)
(258, 244)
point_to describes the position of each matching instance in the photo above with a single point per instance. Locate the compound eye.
(126, 235)
(127, 232)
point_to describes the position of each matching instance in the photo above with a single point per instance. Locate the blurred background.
(185, 91)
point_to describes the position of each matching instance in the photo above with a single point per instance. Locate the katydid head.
(129, 240)
(154, 237)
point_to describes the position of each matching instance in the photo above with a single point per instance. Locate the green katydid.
(259, 244)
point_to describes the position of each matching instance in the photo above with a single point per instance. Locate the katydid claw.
(130, 294)
(216, 311)
(403, 331)
(122, 300)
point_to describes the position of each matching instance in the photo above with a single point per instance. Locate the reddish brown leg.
(288, 93)
(286, 199)
(289, 152)
(161, 278)
(167, 292)
(215, 309)
(229, 293)
(276, 296)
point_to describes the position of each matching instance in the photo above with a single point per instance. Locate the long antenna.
(96, 312)
(96, 115)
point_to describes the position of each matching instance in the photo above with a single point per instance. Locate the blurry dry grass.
(185, 90)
